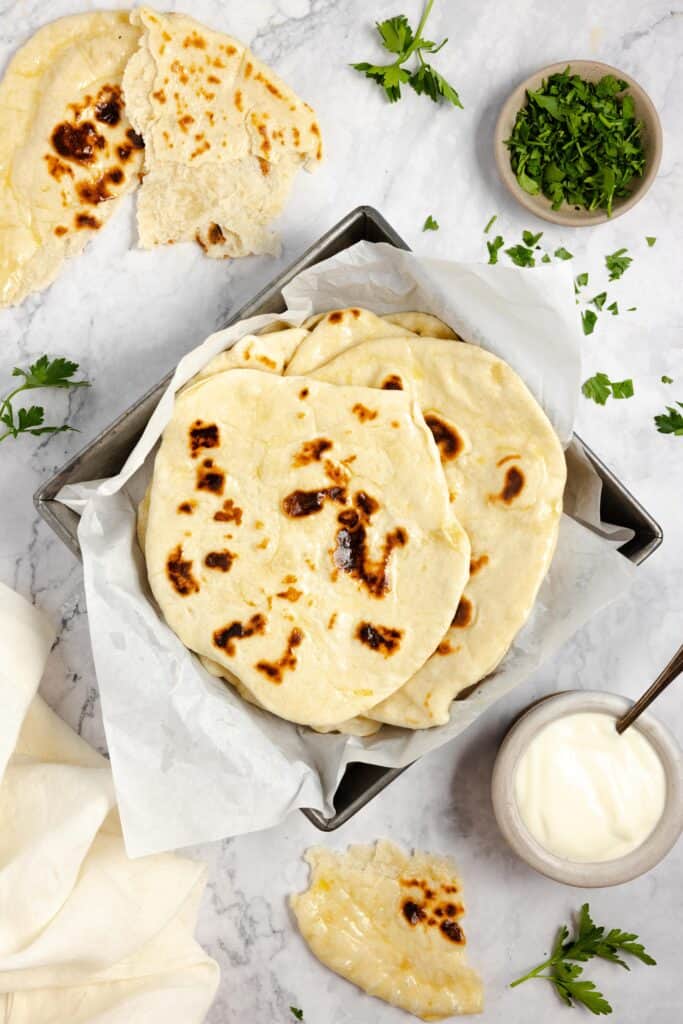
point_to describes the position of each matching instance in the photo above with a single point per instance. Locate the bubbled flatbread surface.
(67, 148)
(391, 924)
(300, 534)
(224, 137)
(506, 473)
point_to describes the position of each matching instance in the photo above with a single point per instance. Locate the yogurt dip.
(586, 793)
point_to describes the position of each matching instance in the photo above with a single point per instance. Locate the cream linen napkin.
(87, 936)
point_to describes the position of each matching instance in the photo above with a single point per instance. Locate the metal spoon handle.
(666, 676)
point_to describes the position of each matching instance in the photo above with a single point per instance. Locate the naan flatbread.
(424, 324)
(67, 149)
(224, 137)
(392, 925)
(336, 331)
(300, 535)
(506, 473)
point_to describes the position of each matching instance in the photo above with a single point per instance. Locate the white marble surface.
(126, 316)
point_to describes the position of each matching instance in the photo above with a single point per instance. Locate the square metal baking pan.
(106, 454)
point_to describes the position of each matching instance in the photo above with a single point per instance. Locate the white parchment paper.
(191, 760)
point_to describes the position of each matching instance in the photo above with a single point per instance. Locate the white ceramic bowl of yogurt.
(582, 804)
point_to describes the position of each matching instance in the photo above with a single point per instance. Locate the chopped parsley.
(521, 256)
(613, 308)
(546, 258)
(581, 281)
(494, 247)
(670, 422)
(617, 263)
(600, 387)
(399, 39)
(296, 1012)
(599, 300)
(667, 380)
(577, 142)
(490, 223)
(563, 966)
(530, 239)
(589, 320)
(562, 254)
(430, 224)
(650, 239)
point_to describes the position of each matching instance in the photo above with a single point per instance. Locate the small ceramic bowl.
(645, 111)
(586, 874)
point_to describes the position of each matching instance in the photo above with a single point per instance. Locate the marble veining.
(126, 316)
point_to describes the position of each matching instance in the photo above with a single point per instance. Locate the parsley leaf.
(546, 258)
(399, 39)
(650, 239)
(599, 300)
(589, 320)
(667, 380)
(521, 256)
(296, 1012)
(490, 223)
(581, 281)
(578, 142)
(44, 373)
(493, 248)
(600, 387)
(617, 263)
(562, 254)
(430, 224)
(670, 422)
(589, 941)
(613, 309)
(531, 239)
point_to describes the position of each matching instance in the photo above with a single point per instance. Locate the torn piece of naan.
(224, 138)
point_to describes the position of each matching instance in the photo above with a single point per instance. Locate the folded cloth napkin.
(87, 936)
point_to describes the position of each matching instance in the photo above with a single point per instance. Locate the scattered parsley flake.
(296, 1012)
(430, 224)
(494, 247)
(599, 300)
(589, 320)
(650, 239)
(490, 223)
(613, 308)
(600, 387)
(530, 239)
(546, 258)
(670, 422)
(667, 380)
(581, 281)
(631, 309)
(562, 254)
(398, 38)
(617, 263)
(568, 953)
(521, 256)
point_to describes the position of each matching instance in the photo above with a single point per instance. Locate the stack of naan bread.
(95, 103)
(349, 521)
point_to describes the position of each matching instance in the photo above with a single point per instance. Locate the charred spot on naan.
(512, 486)
(86, 220)
(229, 513)
(464, 614)
(304, 393)
(224, 638)
(305, 503)
(179, 572)
(290, 594)
(109, 105)
(311, 451)
(221, 560)
(384, 639)
(287, 662)
(426, 909)
(77, 142)
(477, 564)
(94, 192)
(363, 413)
(203, 435)
(351, 554)
(186, 508)
(392, 382)
(448, 440)
(210, 478)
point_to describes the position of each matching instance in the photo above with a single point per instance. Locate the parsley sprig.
(398, 38)
(671, 421)
(44, 373)
(562, 966)
(600, 387)
(577, 142)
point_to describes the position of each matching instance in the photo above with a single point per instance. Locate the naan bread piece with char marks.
(67, 149)
(392, 925)
(424, 324)
(336, 331)
(267, 352)
(300, 535)
(506, 473)
(224, 138)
